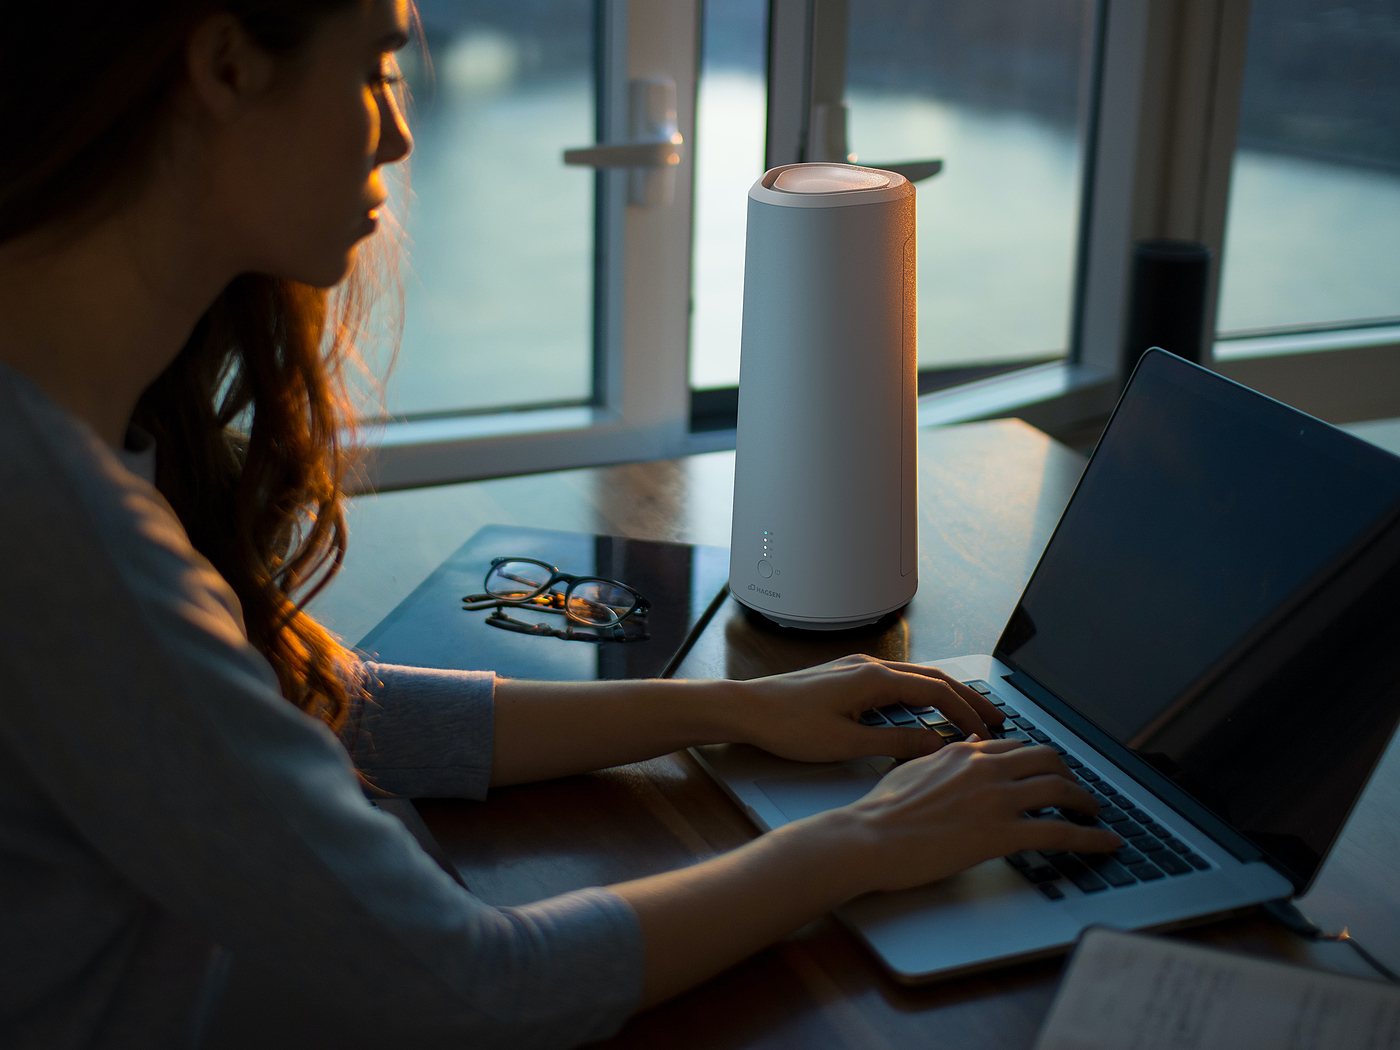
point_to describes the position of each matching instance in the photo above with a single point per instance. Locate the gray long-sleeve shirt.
(159, 799)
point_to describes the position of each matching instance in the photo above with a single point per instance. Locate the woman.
(182, 183)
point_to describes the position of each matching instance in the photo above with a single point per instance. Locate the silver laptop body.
(1029, 906)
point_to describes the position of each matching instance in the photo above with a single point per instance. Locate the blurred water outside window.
(730, 122)
(499, 281)
(1313, 232)
(997, 89)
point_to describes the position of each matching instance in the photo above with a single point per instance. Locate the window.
(1313, 234)
(1309, 307)
(500, 284)
(600, 330)
(997, 91)
(547, 308)
(730, 125)
(995, 88)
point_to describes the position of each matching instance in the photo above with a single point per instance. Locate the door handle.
(913, 170)
(626, 154)
(653, 150)
(826, 140)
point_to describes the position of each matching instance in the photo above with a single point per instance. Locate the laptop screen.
(1222, 596)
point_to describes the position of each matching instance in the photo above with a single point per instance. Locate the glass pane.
(729, 137)
(1313, 233)
(995, 88)
(517, 579)
(599, 602)
(499, 281)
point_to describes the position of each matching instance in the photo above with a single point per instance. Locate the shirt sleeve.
(422, 732)
(136, 704)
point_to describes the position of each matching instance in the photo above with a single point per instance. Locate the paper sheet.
(1129, 991)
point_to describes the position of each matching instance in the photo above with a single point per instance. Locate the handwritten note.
(1128, 991)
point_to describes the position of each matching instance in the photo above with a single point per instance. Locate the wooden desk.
(990, 495)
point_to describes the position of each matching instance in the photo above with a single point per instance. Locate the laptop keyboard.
(1150, 851)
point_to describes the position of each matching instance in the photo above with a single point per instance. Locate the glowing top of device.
(829, 178)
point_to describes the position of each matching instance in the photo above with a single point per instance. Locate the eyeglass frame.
(640, 607)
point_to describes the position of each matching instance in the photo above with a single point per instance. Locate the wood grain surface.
(989, 496)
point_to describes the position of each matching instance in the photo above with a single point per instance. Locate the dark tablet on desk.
(429, 628)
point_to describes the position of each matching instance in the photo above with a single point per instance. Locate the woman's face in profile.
(300, 169)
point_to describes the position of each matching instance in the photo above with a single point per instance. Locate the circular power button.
(765, 568)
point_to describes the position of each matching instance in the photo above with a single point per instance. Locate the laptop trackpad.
(802, 794)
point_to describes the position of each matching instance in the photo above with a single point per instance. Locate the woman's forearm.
(554, 729)
(703, 919)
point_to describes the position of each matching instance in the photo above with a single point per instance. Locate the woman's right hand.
(927, 819)
(961, 805)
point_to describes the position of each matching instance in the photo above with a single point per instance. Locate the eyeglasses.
(590, 600)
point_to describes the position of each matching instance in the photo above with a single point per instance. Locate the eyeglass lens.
(517, 580)
(599, 603)
(596, 602)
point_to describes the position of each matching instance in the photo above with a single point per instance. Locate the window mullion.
(789, 79)
(653, 392)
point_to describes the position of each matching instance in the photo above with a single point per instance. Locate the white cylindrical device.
(825, 512)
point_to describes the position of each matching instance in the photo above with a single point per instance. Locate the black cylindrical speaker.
(1168, 306)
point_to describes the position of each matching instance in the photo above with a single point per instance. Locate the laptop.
(1209, 639)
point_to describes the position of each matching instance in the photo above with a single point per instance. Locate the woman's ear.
(228, 70)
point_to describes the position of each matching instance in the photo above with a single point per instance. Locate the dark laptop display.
(1222, 597)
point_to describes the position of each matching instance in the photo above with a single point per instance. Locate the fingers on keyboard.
(1150, 851)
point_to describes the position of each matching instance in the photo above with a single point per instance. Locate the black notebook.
(429, 628)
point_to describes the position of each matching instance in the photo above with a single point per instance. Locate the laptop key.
(1051, 891)
(1129, 856)
(1022, 723)
(1177, 846)
(1075, 817)
(1111, 814)
(1009, 712)
(1073, 762)
(872, 718)
(1156, 829)
(1041, 871)
(1032, 865)
(1074, 869)
(1058, 749)
(948, 731)
(1107, 788)
(1172, 864)
(1089, 775)
(1017, 734)
(979, 685)
(1132, 810)
(896, 714)
(1038, 736)
(1108, 869)
(1146, 872)
(1130, 829)
(1197, 861)
(921, 709)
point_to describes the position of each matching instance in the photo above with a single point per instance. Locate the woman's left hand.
(812, 715)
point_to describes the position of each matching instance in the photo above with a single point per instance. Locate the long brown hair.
(253, 416)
